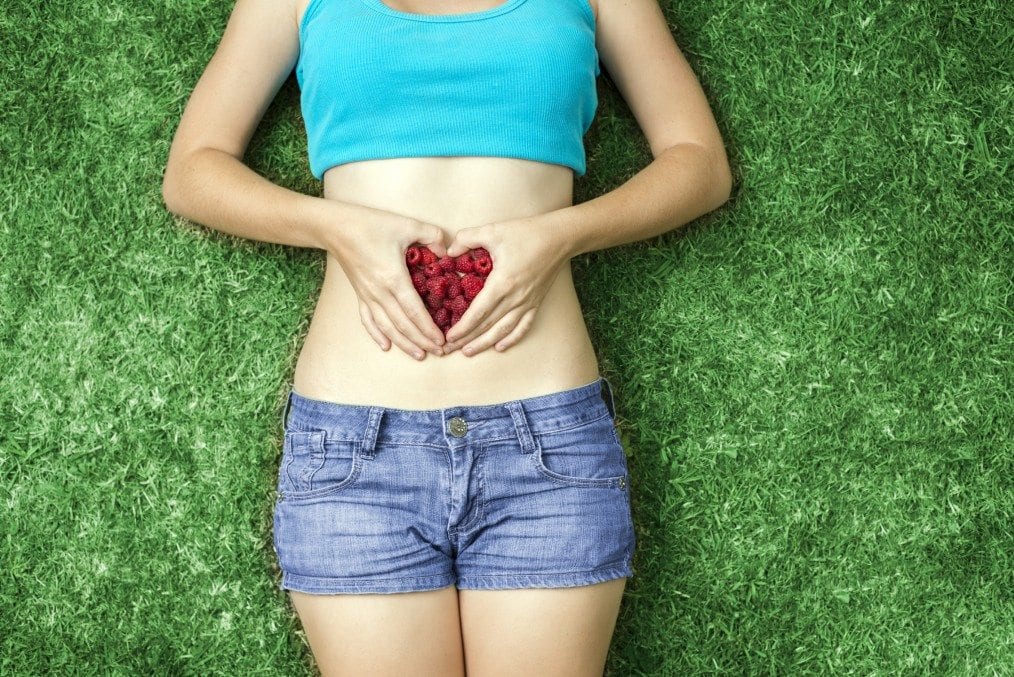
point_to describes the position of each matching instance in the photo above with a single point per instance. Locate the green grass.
(813, 382)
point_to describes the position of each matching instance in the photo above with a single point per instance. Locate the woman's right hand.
(371, 251)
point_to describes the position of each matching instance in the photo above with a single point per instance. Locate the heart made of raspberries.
(447, 284)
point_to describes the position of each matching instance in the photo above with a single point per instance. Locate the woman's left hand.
(526, 260)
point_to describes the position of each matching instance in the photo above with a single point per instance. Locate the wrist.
(324, 220)
(564, 232)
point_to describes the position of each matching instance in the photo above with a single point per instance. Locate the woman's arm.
(205, 178)
(214, 188)
(689, 174)
(207, 182)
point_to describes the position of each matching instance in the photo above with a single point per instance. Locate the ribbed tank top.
(517, 80)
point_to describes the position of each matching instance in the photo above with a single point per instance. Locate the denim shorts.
(530, 493)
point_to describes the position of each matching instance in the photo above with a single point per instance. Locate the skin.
(525, 327)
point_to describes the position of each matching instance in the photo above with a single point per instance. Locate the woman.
(457, 504)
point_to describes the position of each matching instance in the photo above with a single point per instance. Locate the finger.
(396, 314)
(475, 327)
(371, 327)
(488, 299)
(399, 339)
(412, 305)
(498, 331)
(432, 236)
(519, 330)
(465, 239)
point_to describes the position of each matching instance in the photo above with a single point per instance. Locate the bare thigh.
(551, 632)
(381, 635)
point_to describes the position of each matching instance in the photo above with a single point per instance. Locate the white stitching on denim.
(480, 507)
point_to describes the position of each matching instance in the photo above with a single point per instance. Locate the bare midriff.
(339, 360)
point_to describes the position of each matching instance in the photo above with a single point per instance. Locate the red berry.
(412, 255)
(471, 285)
(434, 301)
(454, 318)
(483, 265)
(426, 256)
(458, 304)
(437, 285)
(419, 281)
(433, 269)
(463, 263)
(480, 252)
(447, 263)
(454, 287)
(441, 316)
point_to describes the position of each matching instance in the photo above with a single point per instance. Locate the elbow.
(721, 181)
(168, 194)
(711, 170)
(179, 168)
(171, 193)
(168, 201)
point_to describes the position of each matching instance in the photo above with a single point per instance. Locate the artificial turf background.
(813, 382)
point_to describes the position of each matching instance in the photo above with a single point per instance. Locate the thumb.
(433, 237)
(465, 239)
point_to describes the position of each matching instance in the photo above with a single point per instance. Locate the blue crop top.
(517, 80)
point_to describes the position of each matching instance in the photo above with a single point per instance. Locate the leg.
(551, 632)
(383, 635)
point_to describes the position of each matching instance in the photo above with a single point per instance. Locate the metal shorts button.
(458, 426)
(623, 483)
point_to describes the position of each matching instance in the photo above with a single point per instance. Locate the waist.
(555, 411)
(339, 361)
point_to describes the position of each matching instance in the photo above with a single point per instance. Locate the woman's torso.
(340, 362)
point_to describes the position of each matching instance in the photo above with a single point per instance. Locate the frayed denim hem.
(334, 586)
(558, 580)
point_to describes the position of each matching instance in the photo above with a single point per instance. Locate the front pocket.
(314, 465)
(588, 455)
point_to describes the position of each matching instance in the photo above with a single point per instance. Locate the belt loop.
(607, 395)
(517, 413)
(369, 443)
(285, 409)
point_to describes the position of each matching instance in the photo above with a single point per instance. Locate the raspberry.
(483, 265)
(454, 287)
(434, 301)
(437, 285)
(419, 281)
(447, 263)
(447, 284)
(458, 304)
(412, 255)
(471, 285)
(463, 264)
